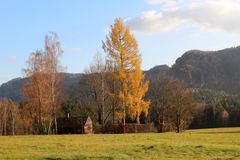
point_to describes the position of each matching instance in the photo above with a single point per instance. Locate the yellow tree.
(122, 49)
(137, 90)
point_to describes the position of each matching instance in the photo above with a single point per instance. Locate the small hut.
(88, 127)
(70, 125)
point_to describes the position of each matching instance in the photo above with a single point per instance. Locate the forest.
(113, 91)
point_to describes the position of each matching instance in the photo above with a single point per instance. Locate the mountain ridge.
(216, 70)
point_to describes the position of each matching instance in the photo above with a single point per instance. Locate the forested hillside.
(217, 70)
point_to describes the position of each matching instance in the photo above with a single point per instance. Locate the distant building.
(71, 125)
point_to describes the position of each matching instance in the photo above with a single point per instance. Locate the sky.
(164, 29)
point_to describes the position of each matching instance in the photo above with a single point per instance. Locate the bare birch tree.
(96, 80)
(8, 116)
(43, 89)
(181, 107)
(53, 51)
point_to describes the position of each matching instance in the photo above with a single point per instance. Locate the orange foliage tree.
(122, 49)
(43, 87)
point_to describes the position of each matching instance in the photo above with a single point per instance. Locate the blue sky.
(165, 29)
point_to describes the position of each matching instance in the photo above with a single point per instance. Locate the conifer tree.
(122, 49)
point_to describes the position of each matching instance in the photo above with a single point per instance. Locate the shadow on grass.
(223, 132)
(146, 148)
(49, 158)
(93, 157)
(81, 157)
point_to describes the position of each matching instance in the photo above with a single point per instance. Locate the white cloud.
(12, 57)
(207, 15)
(153, 21)
(75, 50)
(164, 2)
(153, 2)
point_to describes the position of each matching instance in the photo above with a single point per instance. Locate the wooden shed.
(70, 125)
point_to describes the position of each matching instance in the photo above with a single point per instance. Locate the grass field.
(192, 144)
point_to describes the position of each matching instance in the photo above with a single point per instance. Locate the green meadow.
(223, 143)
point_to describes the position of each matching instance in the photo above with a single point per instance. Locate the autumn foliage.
(122, 49)
(42, 90)
(112, 91)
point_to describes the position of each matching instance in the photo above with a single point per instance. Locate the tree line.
(113, 90)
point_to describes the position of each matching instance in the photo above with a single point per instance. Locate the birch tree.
(43, 89)
(8, 116)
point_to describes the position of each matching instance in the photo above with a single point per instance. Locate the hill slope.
(12, 89)
(217, 70)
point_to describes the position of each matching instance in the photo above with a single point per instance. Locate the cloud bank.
(206, 15)
(165, 2)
